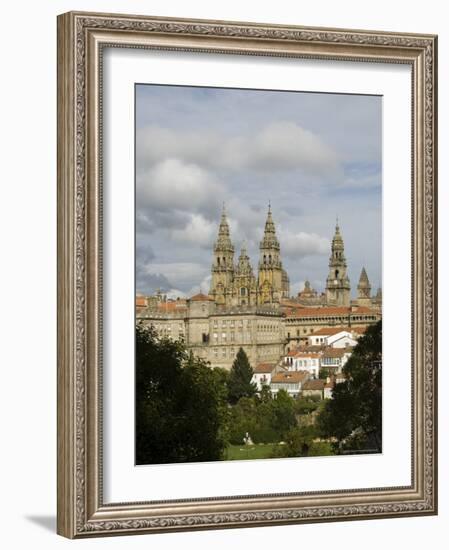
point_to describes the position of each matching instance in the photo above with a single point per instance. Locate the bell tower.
(272, 283)
(223, 263)
(338, 288)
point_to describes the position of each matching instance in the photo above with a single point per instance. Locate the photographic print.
(258, 274)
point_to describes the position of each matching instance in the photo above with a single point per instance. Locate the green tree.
(306, 405)
(239, 381)
(283, 417)
(354, 414)
(265, 394)
(180, 403)
(302, 441)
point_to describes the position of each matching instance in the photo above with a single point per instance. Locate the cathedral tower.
(338, 289)
(223, 263)
(273, 283)
(245, 287)
(363, 290)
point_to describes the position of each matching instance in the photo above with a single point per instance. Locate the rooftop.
(317, 384)
(289, 377)
(201, 298)
(264, 368)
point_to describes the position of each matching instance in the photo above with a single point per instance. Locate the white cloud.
(175, 184)
(286, 145)
(362, 181)
(203, 287)
(298, 245)
(155, 143)
(198, 231)
(175, 293)
(277, 146)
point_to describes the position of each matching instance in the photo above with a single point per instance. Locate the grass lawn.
(248, 452)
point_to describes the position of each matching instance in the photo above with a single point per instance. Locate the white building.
(334, 359)
(303, 361)
(335, 337)
(263, 374)
(291, 382)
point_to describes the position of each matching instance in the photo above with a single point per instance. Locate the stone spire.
(269, 241)
(223, 241)
(338, 288)
(364, 287)
(364, 290)
(223, 262)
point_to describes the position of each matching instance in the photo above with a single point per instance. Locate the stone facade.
(216, 334)
(236, 285)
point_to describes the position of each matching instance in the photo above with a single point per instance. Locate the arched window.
(264, 259)
(336, 273)
(269, 259)
(224, 261)
(243, 291)
(218, 260)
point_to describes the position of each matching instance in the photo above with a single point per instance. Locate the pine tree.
(239, 382)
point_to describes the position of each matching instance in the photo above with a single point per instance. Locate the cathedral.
(256, 311)
(236, 285)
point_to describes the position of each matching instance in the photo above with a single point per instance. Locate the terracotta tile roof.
(141, 301)
(307, 350)
(201, 298)
(364, 309)
(330, 331)
(317, 384)
(314, 349)
(170, 306)
(290, 377)
(318, 311)
(264, 368)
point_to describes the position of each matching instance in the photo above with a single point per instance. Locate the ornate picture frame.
(82, 39)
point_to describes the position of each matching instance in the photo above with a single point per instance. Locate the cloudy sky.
(314, 156)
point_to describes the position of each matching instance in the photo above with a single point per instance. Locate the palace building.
(256, 311)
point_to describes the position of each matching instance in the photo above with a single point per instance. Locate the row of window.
(306, 362)
(342, 320)
(330, 360)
